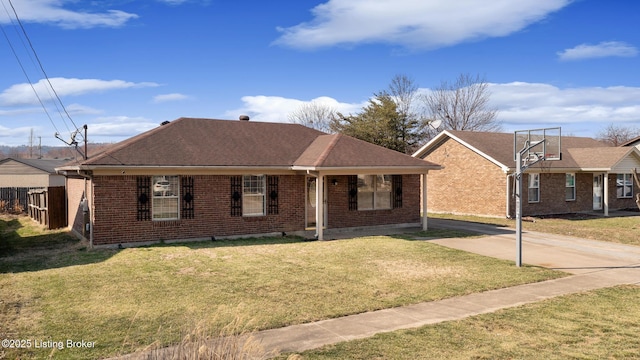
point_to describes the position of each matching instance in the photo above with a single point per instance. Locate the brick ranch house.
(197, 179)
(476, 178)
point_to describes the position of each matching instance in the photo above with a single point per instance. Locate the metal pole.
(85, 142)
(518, 179)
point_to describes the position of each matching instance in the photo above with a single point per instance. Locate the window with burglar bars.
(236, 196)
(144, 199)
(254, 195)
(352, 184)
(272, 191)
(396, 181)
(165, 202)
(188, 209)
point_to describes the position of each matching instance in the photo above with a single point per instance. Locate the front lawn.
(125, 300)
(600, 324)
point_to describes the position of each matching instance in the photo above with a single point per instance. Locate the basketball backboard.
(538, 144)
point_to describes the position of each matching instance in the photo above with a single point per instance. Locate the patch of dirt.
(572, 216)
(415, 270)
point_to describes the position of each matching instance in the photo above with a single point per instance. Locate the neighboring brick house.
(195, 179)
(477, 176)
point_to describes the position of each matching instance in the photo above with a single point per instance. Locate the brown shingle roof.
(499, 146)
(337, 150)
(604, 158)
(207, 142)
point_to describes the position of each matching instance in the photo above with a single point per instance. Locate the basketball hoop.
(529, 148)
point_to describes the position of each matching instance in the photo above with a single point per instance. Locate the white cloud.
(276, 108)
(21, 94)
(169, 97)
(53, 12)
(118, 127)
(603, 49)
(414, 23)
(79, 110)
(9, 135)
(533, 105)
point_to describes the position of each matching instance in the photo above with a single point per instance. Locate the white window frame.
(254, 189)
(165, 198)
(374, 192)
(627, 182)
(570, 187)
(534, 188)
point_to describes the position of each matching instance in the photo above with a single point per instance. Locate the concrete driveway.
(559, 252)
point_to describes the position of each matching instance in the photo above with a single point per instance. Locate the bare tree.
(462, 105)
(404, 92)
(616, 135)
(315, 115)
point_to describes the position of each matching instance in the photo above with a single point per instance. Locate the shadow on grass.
(435, 234)
(249, 241)
(27, 250)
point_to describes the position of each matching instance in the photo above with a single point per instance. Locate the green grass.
(623, 230)
(601, 324)
(125, 300)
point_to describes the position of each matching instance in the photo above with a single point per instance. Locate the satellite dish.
(435, 124)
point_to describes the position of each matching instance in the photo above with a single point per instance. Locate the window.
(253, 195)
(570, 187)
(374, 192)
(624, 186)
(165, 199)
(534, 188)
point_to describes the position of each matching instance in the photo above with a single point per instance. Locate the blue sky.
(122, 67)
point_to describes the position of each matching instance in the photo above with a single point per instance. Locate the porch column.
(423, 186)
(320, 207)
(606, 194)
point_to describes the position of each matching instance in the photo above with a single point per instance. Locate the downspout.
(89, 206)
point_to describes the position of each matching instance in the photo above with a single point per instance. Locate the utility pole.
(31, 138)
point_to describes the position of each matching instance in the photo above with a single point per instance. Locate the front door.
(311, 202)
(597, 191)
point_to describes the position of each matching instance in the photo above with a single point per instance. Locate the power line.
(59, 101)
(15, 54)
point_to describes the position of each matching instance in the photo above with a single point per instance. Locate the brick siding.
(75, 193)
(116, 210)
(467, 184)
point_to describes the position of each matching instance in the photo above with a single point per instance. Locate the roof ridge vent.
(244, 118)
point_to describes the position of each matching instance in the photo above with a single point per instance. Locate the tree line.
(402, 118)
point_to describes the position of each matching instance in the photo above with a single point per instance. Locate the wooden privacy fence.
(48, 207)
(14, 199)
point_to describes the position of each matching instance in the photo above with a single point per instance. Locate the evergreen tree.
(379, 123)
